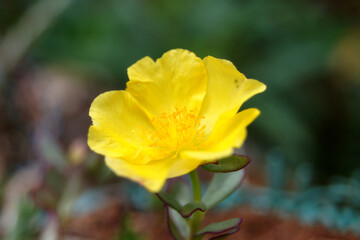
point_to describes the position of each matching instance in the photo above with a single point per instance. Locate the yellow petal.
(183, 166)
(228, 133)
(153, 174)
(118, 122)
(227, 90)
(177, 79)
(207, 155)
(108, 143)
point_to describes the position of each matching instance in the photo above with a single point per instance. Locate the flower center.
(177, 130)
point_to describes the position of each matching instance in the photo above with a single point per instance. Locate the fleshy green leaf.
(169, 200)
(191, 207)
(170, 224)
(179, 222)
(225, 235)
(221, 186)
(229, 164)
(227, 226)
(182, 193)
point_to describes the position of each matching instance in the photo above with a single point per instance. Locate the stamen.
(176, 130)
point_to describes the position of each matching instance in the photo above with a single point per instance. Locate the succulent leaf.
(221, 186)
(228, 164)
(225, 227)
(191, 207)
(169, 200)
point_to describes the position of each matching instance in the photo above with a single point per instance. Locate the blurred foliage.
(127, 233)
(27, 224)
(307, 52)
(10, 12)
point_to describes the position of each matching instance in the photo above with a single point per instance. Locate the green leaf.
(169, 200)
(221, 186)
(182, 193)
(229, 164)
(221, 227)
(191, 207)
(179, 222)
(225, 235)
(171, 225)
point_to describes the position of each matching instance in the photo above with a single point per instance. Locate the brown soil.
(104, 225)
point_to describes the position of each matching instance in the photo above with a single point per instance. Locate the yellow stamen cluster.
(176, 130)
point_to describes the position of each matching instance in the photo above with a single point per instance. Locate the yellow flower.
(175, 114)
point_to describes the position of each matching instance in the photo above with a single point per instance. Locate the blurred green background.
(307, 52)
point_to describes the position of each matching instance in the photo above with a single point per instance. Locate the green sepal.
(223, 227)
(191, 207)
(221, 186)
(169, 200)
(228, 164)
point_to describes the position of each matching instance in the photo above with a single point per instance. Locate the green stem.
(195, 221)
(195, 185)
